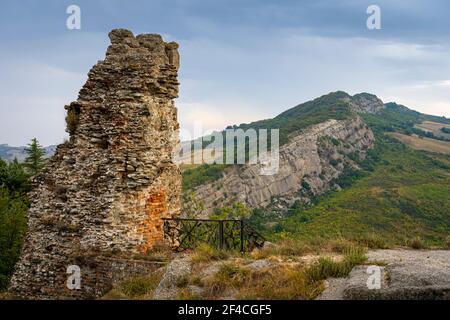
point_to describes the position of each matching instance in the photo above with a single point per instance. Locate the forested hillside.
(398, 195)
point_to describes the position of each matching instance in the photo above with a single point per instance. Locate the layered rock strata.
(309, 163)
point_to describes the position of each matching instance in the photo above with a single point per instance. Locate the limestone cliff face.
(105, 191)
(308, 164)
(365, 103)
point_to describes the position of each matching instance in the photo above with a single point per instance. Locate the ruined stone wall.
(104, 192)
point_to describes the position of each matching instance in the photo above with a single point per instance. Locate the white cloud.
(245, 79)
(197, 119)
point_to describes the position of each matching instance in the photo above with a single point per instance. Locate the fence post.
(221, 240)
(242, 235)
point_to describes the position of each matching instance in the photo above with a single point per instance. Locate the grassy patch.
(326, 267)
(416, 243)
(136, 288)
(160, 252)
(207, 253)
(282, 283)
(229, 276)
(287, 247)
(279, 282)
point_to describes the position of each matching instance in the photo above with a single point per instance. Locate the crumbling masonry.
(100, 199)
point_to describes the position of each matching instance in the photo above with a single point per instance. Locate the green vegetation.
(136, 288)
(35, 160)
(208, 253)
(235, 211)
(280, 280)
(399, 195)
(327, 267)
(14, 186)
(327, 107)
(73, 117)
(399, 118)
(201, 174)
(13, 208)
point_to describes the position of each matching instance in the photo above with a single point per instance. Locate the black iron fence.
(223, 234)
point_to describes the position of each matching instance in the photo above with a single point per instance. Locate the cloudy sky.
(241, 60)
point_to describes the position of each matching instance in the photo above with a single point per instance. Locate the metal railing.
(184, 233)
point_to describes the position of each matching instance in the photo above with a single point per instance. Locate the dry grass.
(326, 267)
(136, 288)
(434, 127)
(283, 280)
(373, 241)
(282, 283)
(287, 248)
(4, 296)
(230, 276)
(278, 282)
(425, 144)
(298, 248)
(160, 252)
(207, 253)
(416, 243)
(186, 294)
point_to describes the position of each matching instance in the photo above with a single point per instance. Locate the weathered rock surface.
(365, 103)
(168, 287)
(308, 164)
(408, 275)
(105, 191)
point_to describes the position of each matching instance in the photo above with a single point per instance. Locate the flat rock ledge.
(406, 275)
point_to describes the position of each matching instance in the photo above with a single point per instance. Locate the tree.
(236, 211)
(35, 157)
(13, 224)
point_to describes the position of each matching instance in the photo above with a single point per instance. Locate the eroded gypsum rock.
(104, 192)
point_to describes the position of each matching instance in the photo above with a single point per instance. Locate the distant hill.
(397, 191)
(9, 153)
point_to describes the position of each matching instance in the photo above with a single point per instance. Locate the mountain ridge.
(406, 190)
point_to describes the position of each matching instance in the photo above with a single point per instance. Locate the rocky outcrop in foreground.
(309, 162)
(100, 199)
(407, 275)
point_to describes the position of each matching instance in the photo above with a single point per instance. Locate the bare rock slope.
(308, 164)
(408, 275)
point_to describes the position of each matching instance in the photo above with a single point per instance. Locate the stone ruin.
(99, 201)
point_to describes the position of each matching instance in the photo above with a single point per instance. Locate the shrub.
(416, 243)
(334, 162)
(230, 275)
(305, 185)
(283, 282)
(447, 243)
(341, 246)
(206, 253)
(72, 120)
(335, 141)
